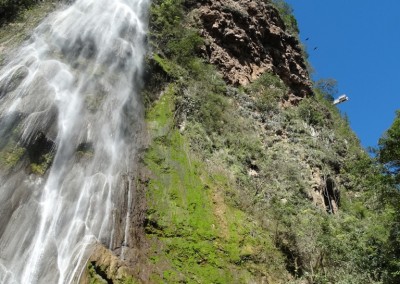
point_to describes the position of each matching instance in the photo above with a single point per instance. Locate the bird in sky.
(315, 48)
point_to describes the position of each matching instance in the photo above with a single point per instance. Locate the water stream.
(70, 117)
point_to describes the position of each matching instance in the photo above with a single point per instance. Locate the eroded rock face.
(246, 38)
(324, 192)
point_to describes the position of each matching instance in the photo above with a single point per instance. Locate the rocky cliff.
(250, 170)
(245, 39)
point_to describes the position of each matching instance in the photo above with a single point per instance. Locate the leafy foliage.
(389, 148)
(178, 43)
(286, 13)
(328, 87)
(389, 155)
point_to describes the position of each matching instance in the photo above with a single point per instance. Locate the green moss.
(177, 185)
(43, 166)
(203, 239)
(93, 277)
(168, 66)
(96, 275)
(9, 157)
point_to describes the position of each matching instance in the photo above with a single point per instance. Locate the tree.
(389, 155)
(389, 149)
(328, 87)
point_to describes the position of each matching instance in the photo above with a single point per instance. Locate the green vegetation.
(43, 164)
(17, 21)
(38, 154)
(286, 13)
(203, 239)
(93, 277)
(11, 152)
(389, 155)
(97, 275)
(267, 90)
(238, 190)
(239, 185)
(9, 8)
(389, 148)
(9, 157)
(327, 87)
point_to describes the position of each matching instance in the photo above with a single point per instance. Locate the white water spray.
(69, 99)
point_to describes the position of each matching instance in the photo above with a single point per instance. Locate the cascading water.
(69, 99)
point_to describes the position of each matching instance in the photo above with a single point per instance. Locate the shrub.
(286, 13)
(327, 87)
(9, 9)
(267, 90)
(311, 114)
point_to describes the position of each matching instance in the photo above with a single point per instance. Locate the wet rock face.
(246, 38)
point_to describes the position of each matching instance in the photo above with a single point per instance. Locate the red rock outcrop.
(246, 38)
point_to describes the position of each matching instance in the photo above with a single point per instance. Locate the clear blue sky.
(359, 46)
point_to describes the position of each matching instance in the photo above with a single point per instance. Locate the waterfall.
(70, 118)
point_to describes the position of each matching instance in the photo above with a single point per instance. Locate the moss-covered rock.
(196, 235)
(10, 156)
